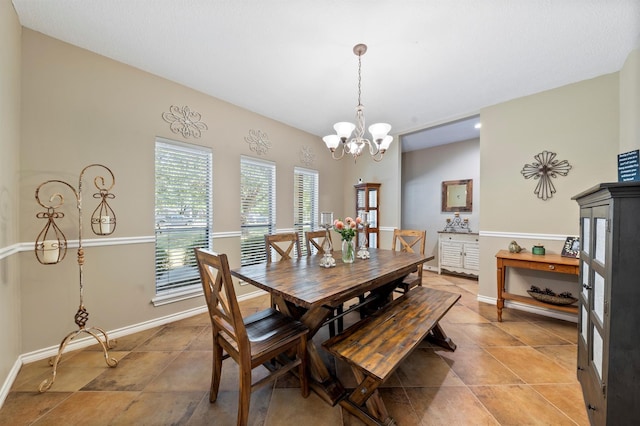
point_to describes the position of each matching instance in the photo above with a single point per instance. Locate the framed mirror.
(457, 195)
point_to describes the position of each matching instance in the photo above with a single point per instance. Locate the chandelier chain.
(359, 78)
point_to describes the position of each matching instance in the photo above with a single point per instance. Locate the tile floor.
(517, 372)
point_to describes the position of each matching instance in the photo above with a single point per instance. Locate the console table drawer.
(563, 269)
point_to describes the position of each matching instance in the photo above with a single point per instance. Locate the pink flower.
(348, 220)
(339, 225)
(353, 224)
(358, 220)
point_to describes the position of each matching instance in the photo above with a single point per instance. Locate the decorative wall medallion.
(258, 141)
(543, 170)
(307, 156)
(184, 121)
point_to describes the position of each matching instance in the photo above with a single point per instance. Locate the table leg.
(500, 299)
(321, 381)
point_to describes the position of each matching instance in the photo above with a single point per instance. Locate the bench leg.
(366, 395)
(439, 337)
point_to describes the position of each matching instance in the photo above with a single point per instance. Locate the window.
(257, 208)
(183, 213)
(305, 202)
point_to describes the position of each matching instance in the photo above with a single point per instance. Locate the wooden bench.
(375, 346)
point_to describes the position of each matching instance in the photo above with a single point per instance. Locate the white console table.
(459, 252)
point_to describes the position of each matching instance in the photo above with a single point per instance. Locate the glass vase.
(348, 251)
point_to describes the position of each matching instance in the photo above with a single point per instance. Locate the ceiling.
(428, 61)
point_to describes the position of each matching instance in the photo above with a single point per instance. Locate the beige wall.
(580, 123)
(423, 172)
(630, 103)
(81, 108)
(10, 338)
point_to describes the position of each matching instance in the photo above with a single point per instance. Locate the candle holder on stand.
(363, 250)
(51, 248)
(326, 222)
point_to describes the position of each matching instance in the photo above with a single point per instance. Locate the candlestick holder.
(326, 222)
(51, 248)
(363, 250)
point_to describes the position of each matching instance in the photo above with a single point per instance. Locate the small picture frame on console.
(571, 247)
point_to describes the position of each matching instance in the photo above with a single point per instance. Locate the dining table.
(303, 289)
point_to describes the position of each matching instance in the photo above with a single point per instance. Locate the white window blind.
(305, 203)
(183, 212)
(257, 208)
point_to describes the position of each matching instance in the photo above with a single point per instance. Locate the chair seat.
(267, 330)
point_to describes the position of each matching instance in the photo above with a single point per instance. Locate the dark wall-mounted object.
(457, 195)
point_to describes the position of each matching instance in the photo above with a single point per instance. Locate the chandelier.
(380, 139)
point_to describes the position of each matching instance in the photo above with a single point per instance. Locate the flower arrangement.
(346, 229)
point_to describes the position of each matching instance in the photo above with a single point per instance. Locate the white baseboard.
(552, 313)
(11, 377)
(113, 334)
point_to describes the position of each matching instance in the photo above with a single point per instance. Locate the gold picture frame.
(457, 195)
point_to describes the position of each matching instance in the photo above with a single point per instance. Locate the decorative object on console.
(184, 121)
(457, 195)
(548, 296)
(571, 247)
(258, 141)
(543, 170)
(380, 139)
(538, 250)
(457, 224)
(514, 247)
(51, 247)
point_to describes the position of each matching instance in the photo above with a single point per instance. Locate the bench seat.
(375, 346)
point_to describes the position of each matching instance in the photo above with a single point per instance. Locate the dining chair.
(267, 337)
(274, 246)
(314, 241)
(410, 240)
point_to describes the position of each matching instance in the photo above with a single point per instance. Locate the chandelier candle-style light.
(380, 138)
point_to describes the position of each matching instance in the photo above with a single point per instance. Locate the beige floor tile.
(565, 355)
(519, 405)
(568, 399)
(23, 408)
(171, 339)
(454, 405)
(425, 368)
(531, 365)
(459, 314)
(531, 334)
(475, 366)
(159, 408)
(224, 411)
(127, 343)
(203, 341)
(288, 404)
(133, 372)
(98, 408)
(399, 406)
(71, 374)
(189, 371)
(565, 329)
(489, 335)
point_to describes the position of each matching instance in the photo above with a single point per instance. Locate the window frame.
(178, 224)
(305, 221)
(252, 234)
